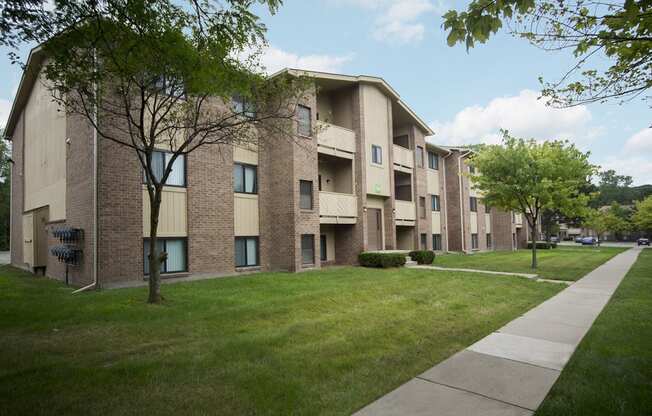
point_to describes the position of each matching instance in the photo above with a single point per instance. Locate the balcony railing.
(405, 211)
(335, 137)
(403, 157)
(337, 208)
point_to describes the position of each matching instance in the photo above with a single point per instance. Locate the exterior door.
(374, 229)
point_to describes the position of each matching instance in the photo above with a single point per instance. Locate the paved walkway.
(511, 371)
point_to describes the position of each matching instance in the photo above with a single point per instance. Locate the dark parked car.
(643, 241)
(589, 241)
(554, 239)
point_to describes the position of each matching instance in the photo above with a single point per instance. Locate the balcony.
(337, 208)
(335, 140)
(406, 213)
(403, 159)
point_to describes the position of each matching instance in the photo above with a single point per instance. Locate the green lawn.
(611, 371)
(561, 263)
(326, 342)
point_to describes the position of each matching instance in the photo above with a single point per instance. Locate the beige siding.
(436, 223)
(28, 239)
(45, 153)
(336, 137)
(245, 209)
(243, 155)
(487, 222)
(338, 205)
(474, 222)
(173, 216)
(405, 210)
(330, 244)
(403, 157)
(433, 182)
(377, 127)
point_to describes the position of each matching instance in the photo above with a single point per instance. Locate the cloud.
(640, 142)
(524, 115)
(399, 21)
(274, 59)
(5, 108)
(635, 159)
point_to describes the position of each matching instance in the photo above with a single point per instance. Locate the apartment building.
(359, 176)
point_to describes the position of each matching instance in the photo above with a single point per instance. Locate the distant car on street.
(554, 239)
(589, 241)
(579, 239)
(643, 241)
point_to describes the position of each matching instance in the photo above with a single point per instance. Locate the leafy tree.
(620, 31)
(642, 217)
(5, 193)
(531, 177)
(595, 220)
(159, 74)
(613, 188)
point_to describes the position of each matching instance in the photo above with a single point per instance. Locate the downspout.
(94, 284)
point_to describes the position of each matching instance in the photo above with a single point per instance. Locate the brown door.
(374, 227)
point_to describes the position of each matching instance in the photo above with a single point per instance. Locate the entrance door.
(374, 229)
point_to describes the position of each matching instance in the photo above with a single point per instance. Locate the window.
(419, 156)
(436, 242)
(488, 240)
(471, 169)
(487, 209)
(246, 252)
(242, 105)
(433, 160)
(305, 194)
(323, 253)
(474, 241)
(434, 203)
(424, 242)
(160, 160)
(307, 249)
(304, 127)
(376, 154)
(422, 207)
(245, 179)
(474, 204)
(176, 261)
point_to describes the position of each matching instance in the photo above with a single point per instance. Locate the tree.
(613, 188)
(595, 220)
(620, 31)
(530, 177)
(642, 217)
(161, 74)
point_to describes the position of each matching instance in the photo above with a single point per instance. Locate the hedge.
(544, 245)
(383, 260)
(423, 256)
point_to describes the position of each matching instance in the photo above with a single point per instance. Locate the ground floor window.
(436, 242)
(308, 249)
(177, 258)
(474, 241)
(514, 240)
(489, 240)
(246, 252)
(424, 242)
(323, 253)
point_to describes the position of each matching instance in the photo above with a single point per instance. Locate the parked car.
(589, 241)
(643, 241)
(579, 239)
(554, 239)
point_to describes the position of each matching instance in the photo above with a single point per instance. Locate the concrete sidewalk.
(511, 371)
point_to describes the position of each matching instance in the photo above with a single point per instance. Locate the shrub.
(543, 245)
(423, 256)
(383, 260)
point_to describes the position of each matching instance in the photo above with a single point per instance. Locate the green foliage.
(423, 256)
(384, 260)
(642, 217)
(621, 31)
(613, 219)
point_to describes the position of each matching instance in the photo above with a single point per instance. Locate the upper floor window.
(471, 169)
(434, 203)
(305, 194)
(242, 105)
(161, 159)
(473, 202)
(376, 154)
(304, 119)
(433, 160)
(487, 209)
(245, 178)
(419, 156)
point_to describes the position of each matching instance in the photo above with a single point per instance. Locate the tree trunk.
(155, 257)
(533, 232)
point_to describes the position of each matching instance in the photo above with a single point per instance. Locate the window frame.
(299, 121)
(245, 238)
(419, 156)
(436, 247)
(164, 264)
(312, 197)
(487, 209)
(433, 156)
(475, 242)
(244, 166)
(422, 208)
(248, 107)
(473, 204)
(489, 239)
(323, 248)
(435, 207)
(312, 236)
(423, 241)
(185, 168)
(375, 147)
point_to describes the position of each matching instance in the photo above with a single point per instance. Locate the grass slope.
(325, 342)
(562, 263)
(611, 371)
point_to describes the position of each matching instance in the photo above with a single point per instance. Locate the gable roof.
(29, 77)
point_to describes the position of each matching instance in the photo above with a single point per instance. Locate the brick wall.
(453, 208)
